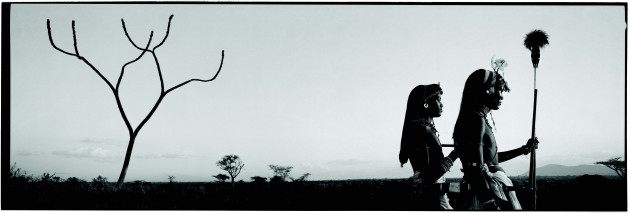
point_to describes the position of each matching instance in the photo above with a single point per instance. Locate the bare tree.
(232, 164)
(616, 165)
(281, 171)
(133, 132)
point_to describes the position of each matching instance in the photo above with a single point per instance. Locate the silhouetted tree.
(232, 164)
(99, 182)
(282, 172)
(259, 179)
(171, 179)
(302, 178)
(74, 180)
(616, 165)
(221, 177)
(17, 175)
(47, 177)
(276, 179)
(133, 132)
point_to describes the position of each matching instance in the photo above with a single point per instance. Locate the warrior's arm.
(507, 155)
(436, 169)
(428, 173)
(523, 150)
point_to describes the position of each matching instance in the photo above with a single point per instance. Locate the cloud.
(166, 156)
(28, 153)
(100, 141)
(99, 154)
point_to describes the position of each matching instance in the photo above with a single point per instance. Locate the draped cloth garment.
(498, 182)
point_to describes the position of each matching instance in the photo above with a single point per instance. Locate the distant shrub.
(276, 179)
(302, 178)
(17, 175)
(99, 179)
(221, 177)
(591, 179)
(47, 178)
(259, 179)
(100, 183)
(75, 180)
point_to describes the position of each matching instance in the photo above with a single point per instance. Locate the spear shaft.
(532, 160)
(534, 41)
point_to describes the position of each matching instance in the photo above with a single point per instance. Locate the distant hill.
(560, 170)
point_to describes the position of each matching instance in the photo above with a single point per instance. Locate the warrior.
(477, 147)
(421, 146)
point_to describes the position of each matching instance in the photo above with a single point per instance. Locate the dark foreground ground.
(583, 193)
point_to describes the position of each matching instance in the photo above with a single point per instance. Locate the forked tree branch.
(157, 63)
(77, 53)
(74, 39)
(168, 28)
(127, 34)
(53, 43)
(186, 82)
(239, 169)
(122, 71)
(118, 101)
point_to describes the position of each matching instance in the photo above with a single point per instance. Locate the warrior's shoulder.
(473, 118)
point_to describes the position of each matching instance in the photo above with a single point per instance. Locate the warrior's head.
(425, 101)
(483, 91)
(483, 88)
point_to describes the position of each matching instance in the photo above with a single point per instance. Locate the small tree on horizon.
(259, 179)
(232, 164)
(302, 178)
(616, 165)
(18, 175)
(47, 177)
(282, 172)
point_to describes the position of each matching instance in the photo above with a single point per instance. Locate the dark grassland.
(571, 193)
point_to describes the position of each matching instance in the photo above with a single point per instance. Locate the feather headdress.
(498, 64)
(534, 41)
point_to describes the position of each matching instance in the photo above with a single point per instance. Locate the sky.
(322, 88)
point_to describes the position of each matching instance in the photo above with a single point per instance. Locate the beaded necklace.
(483, 113)
(431, 125)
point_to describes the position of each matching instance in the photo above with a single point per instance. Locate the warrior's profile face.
(435, 106)
(494, 96)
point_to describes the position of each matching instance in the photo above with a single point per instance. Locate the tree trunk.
(123, 173)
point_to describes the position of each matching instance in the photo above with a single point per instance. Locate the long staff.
(534, 41)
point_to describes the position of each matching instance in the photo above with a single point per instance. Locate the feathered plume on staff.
(534, 41)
